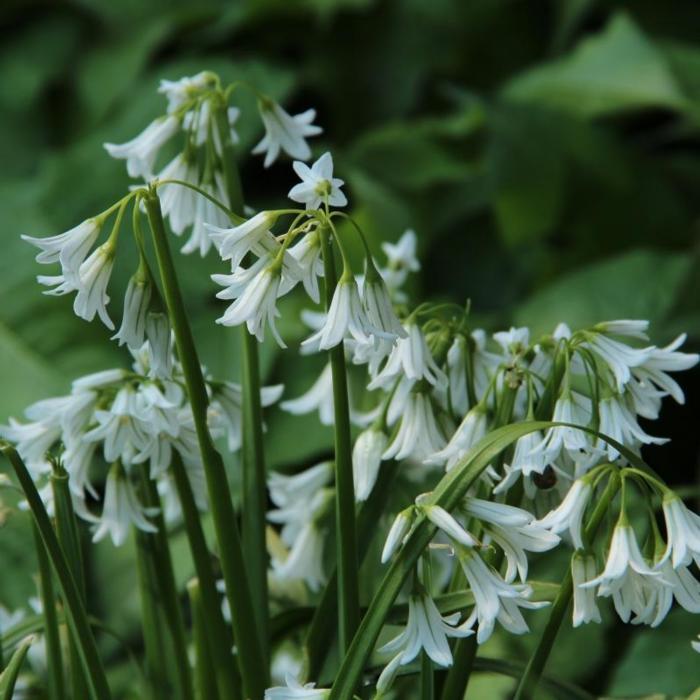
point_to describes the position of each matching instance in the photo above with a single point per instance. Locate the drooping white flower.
(257, 305)
(569, 514)
(136, 303)
(513, 342)
(382, 320)
(366, 460)
(573, 408)
(467, 435)
(141, 152)
(207, 212)
(32, 440)
(234, 243)
(426, 629)
(457, 375)
(93, 277)
(295, 691)
(401, 259)
(180, 91)
(682, 532)
(178, 203)
(121, 509)
(448, 524)
(307, 252)
(419, 434)
(619, 357)
(285, 132)
(345, 315)
(412, 357)
(397, 533)
(317, 186)
(159, 335)
(305, 559)
(585, 606)
(69, 249)
(300, 488)
(527, 459)
(318, 398)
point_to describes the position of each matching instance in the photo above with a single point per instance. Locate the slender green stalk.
(530, 678)
(167, 587)
(158, 683)
(68, 537)
(73, 604)
(250, 657)
(254, 497)
(52, 633)
(427, 678)
(346, 537)
(204, 670)
(218, 634)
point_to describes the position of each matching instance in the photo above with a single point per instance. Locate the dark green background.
(547, 153)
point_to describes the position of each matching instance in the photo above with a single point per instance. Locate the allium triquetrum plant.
(458, 455)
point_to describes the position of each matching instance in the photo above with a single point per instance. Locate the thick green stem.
(68, 537)
(73, 604)
(254, 501)
(204, 669)
(165, 577)
(346, 537)
(218, 634)
(158, 683)
(54, 661)
(251, 661)
(530, 678)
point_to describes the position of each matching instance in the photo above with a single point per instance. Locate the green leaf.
(620, 69)
(8, 678)
(641, 284)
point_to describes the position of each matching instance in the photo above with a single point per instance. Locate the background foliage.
(547, 154)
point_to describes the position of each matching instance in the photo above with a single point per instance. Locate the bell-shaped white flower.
(69, 249)
(178, 203)
(141, 152)
(318, 398)
(382, 320)
(159, 335)
(121, 509)
(467, 435)
(207, 212)
(366, 460)
(299, 489)
(569, 514)
(345, 316)
(295, 691)
(401, 259)
(397, 533)
(573, 408)
(180, 91)
(307, 252)
(447, 523)
(234, 243)
(317, 186)
(93, 277)
(619, 357)
(285, 132)
(257, 305)
(585, 606)
(32, 440)
(304, 561)
(428, 630)
(682, 531)
(136, 303)
(419, 434)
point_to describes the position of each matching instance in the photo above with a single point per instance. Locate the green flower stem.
(530, 678)
(158, 682)
(250, 657)
(204, 669)
(166, 585)
(427, 678)
(254, 497)
(219, 636)
(73, 604)
(51, 631)
(69, 539)
(346, 537)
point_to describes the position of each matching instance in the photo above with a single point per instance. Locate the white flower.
(419, 434)
(141, 152)
(426, 629)
(257, 305)
(318, 397)
(366, 459)
(136, 302)
(234, 243)
(624, 557)
(569, 514)
(397, 533)
(381, 317)
(307, 252)
(178, 92)
(585, 606)
(296, 691)
(305, 559)
(572, 408)
(285, 132)
(527, 459)
(98, 380)
(93, 278)
(457, 375)
(467, 435)
(345, 315)
(448, 524)
(682, 531)
(411, 357)
(496, 513)
(514, 342)
(628, 327)
(299, 489)
(69, 249)
(159, 337)
(317, 186)
(494, 599)
(121, 509)
(177, 202)
(32, 440)
(401, 259)
(207, 212)
(619, 358)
